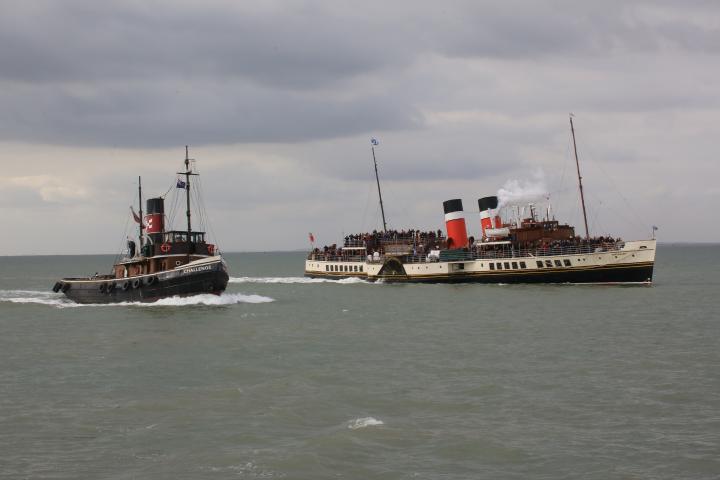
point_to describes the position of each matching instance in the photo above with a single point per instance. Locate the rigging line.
(125, 231)
(638, 221)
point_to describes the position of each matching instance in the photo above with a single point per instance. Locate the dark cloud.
(125, 73)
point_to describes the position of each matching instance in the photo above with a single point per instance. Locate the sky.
(278, 101)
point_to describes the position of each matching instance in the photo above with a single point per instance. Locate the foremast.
(374, 142)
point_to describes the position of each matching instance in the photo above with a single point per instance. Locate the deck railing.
(481, 253)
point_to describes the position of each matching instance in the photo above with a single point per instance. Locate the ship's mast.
(377, 179)
(140, 238)
(187, 174)
(577, 164)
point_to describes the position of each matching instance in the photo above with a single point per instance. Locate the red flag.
(136, 217)
(312, 238)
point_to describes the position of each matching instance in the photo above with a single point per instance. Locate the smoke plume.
(522, 192)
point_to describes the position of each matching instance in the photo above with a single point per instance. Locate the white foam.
(364, 422)
(209, 299)
(287, 280)
(58, 300)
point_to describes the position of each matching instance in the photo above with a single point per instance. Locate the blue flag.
(374, 141)
(180, 184)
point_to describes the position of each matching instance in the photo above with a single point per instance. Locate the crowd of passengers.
(423, 242)
(375, 238)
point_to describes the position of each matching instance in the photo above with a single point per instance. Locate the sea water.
(288, 377)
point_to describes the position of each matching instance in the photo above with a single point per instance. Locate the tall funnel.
(455, 224)
(488, 218)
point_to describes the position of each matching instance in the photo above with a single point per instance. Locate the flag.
(312, 237)
(374, 141)
(180, 184)
(136, 217)
(654, 228)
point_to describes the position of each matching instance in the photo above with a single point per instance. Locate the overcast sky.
(278, 101)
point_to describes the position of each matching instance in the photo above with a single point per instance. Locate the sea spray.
(60, 301)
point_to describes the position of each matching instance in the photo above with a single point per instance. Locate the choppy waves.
(60, 301)
(287, 280)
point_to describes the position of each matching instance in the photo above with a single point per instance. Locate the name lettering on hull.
(197, 269)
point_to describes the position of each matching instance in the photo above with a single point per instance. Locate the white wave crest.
(58, 300)
(208, 299)
(364, 422)
(287, 280)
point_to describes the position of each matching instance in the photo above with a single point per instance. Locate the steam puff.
(521, 192)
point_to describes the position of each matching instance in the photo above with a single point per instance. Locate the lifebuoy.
(211, 249)
(136, 283)
(165, 247)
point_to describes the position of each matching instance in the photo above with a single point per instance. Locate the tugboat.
(167, 263)
(527, 249)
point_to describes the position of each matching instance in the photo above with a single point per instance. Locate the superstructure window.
(523, 265)
(499, 266)
(558, 263)
(507, 265)
(514, 265)
(548, 263)
(492, 266)
(361, 267)
(539, 263)
(566, 262)
(327, 269)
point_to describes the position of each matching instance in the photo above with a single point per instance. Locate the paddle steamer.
(164, 263)
(527, 250)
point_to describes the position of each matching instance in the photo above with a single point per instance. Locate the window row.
(506, 265)
(555, 263)
(343, 268)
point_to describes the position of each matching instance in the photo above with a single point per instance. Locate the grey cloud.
(118, 73)
(150, 115)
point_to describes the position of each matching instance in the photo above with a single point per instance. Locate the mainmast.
(577, 164)
(140, 238)
(374, 142)
(187, 174)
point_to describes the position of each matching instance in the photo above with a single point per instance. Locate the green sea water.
(286, 377)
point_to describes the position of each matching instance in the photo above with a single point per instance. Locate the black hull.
(641, 273)
(211, 278)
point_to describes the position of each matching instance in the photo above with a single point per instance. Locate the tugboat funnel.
(455, 224)
(155, 215)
